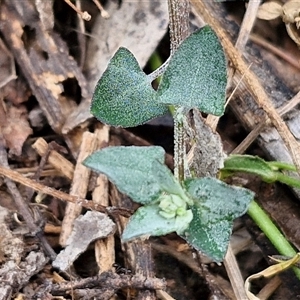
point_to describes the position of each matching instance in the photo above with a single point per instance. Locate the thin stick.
(250, 138)
(15, 176)
(60, 163)
(266, 292)
(179, 30)
(247, 24)
(276, 50)
(104, 248)
(84, 15)
(79, 185)
(22, 206)
(234, 274)
(103, 12)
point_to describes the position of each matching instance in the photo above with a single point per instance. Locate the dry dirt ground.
(50, 61)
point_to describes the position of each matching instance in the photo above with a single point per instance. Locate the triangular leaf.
(147, 221)
(124, 95)
(130, 169)
(216, 206)
(196, 75)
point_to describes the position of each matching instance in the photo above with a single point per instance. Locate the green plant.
(269, 172)
(194, 78)
(201, 210)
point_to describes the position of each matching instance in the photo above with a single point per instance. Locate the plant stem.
(291, 181)
(157, 66)
(279, 165)
(272, 232)
(179, 30)
(179, 146)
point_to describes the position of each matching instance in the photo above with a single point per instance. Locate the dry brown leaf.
(15, 129)
(16, 91)
(269, 272)
(269, 10)
(291, 11)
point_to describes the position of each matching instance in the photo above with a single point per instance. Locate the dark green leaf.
(130, 169)
(250, 164)
(216, 205)
(124, 95)
(196, 75)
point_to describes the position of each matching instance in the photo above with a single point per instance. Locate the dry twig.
(79, 185)
(15, 176)
(104, 248)
(84, 15)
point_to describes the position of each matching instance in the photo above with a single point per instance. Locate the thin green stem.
(157, 66)
(291, 181)
(272, 232)
(278, 165)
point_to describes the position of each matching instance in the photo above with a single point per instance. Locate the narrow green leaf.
(250, 164)
(124, 95)
(147, 221)
(196, 75)
(130, 169)
(216, 205)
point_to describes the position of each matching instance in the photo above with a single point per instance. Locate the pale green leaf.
(130, 169)
(166, 180)
(147, 221)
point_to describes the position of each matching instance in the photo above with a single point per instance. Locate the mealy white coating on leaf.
(166, 204)
(147, 221)
(123, 95)
(168, 215)
(210, 238)
(166, 179)
(222, 200)
(216, 206)
(196, 76)
(183, 221)
(129, 168)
